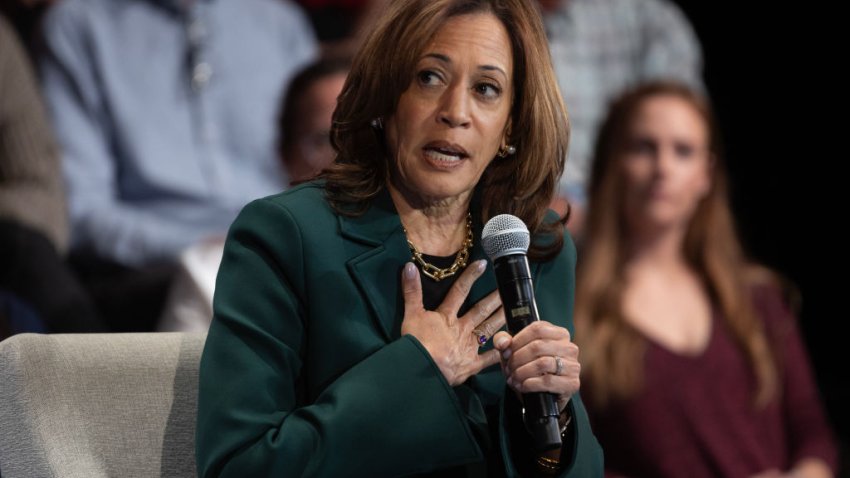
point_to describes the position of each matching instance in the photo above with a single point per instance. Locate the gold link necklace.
(461, 259)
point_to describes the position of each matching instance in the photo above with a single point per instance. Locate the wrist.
(547, 466)
(549, 463)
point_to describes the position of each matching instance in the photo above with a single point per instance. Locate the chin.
(666, 221)
(439, 193)
(438, 187)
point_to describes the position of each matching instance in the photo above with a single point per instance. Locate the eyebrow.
(446, 59)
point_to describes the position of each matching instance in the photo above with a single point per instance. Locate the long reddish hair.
(612, 351)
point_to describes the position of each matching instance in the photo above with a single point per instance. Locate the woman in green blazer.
(332, 352)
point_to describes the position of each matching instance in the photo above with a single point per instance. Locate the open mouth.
(444, 152)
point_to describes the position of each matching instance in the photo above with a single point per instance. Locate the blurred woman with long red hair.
(692, 361)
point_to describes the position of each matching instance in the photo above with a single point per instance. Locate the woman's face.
(452, 118)
(666, 163)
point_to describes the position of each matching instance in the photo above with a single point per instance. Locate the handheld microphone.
(505, 240)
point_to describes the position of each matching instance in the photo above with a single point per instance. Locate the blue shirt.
(166, 115)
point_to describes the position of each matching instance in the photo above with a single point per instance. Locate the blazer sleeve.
(375, 419)
(555, 294)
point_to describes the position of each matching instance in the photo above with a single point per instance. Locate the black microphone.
(505, 240)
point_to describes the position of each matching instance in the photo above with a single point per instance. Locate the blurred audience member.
(305, 120)
(304, 148)
(165, 111)
(693, 364)
(33, 220)
(600, 48)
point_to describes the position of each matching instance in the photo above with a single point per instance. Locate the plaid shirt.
(601, 48)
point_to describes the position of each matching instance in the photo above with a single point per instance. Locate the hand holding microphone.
(539, 361)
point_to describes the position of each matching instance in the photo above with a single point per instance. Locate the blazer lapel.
(377, 270)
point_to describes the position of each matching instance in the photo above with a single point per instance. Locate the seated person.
(304, 150)
(331, 353)
(165, 113)
(693, 364)
(600, 48)
(33, 220)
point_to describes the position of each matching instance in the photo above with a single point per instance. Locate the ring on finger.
(480, 337)
(559, 365)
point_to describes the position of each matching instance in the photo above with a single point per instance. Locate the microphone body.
(516, 290)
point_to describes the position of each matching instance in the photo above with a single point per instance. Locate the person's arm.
(812, 445)
(74, 96)
(392, 413)
(811, 468)
(671, 49)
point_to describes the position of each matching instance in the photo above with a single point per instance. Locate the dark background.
(771, 73)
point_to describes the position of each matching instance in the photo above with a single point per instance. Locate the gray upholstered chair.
(99, 405)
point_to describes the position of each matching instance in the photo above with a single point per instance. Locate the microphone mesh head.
(505, 234)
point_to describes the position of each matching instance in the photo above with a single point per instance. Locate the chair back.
(99, 405)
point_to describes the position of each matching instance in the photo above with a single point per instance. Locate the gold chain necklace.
(461, 259)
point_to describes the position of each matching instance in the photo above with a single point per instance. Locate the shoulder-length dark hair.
(521, 184)
(612, 350)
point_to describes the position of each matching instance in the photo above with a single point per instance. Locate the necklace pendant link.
(435, 273)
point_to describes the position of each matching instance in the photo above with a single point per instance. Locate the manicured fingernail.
(481, 265)
(500, 342)
(409, 270)
(506, 354)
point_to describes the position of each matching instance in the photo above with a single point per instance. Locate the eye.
(642, 146)
(684, 151)
(428, 78)
(488, 90)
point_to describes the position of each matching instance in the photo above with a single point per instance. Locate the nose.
(664, 159)
(455, 107)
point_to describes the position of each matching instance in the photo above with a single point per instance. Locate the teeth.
(440, 156)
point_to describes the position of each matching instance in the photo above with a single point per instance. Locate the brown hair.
(611, 349)
(290, 107)
(521, 184)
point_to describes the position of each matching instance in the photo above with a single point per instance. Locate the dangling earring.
(378, 123)
(506, 151)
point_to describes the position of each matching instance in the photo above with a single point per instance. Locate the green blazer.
(305, 373)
